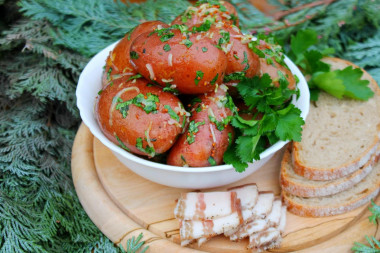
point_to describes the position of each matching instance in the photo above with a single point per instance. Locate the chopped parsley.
(245, 61)
(172, 113)
(211, 161)
(192, 130)
(198, 77)
(204, 49)
(134, 55)
(213, 81)
(146, 102)
(234, 76)
(100, 92)
(236, 57)
(220, 125)
(187, 43)
(121, 144)
(168, 88)
(148, 150)
(224, 39)
(137, 76)
(109, 74)
(167, 48)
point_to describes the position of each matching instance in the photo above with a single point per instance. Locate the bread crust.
(321, 211)
(314, 173)
(330, 187)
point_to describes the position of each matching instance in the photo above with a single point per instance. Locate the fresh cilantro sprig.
(339, 83)
(276, 119)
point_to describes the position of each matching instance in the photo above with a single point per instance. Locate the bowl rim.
(98, 59)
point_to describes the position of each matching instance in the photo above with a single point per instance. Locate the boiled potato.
(139, 117)
(118, 68)
(188, 62)
(208, 134)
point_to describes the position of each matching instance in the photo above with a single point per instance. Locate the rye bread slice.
(300, 186)
(339, 203)
(340, 135)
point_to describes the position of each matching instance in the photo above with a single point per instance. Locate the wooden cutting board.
(123, 204)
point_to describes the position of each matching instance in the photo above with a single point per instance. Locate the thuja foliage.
(45, 44)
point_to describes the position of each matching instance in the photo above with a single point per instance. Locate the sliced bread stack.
(334, 168)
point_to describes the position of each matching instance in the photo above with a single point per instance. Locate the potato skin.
(272, 69)
(193, 69)
(158, 124)
(198, 153)
(118, 67)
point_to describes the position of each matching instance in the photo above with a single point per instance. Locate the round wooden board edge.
(110, 220)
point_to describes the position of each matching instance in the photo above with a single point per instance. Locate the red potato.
(272, 67)
(118, 68)
(207, 137)
(190, 64)
(196, 15)
(140, 118)
(240, 58)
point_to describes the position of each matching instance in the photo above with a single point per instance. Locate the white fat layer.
(218, 204)
(275, 215)
(114, 101)
(282, 224)
(264, 238)
(263, 205)
(151, 72)
(195, 229)
(248, 196)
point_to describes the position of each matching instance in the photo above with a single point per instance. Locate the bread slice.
(342, 202)
(340, 135)
(297, 185)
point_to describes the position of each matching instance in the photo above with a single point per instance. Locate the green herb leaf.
(199, 76)
(289, 126)
(167, 48)
(148, 150)
(187, 43)
(211, 161)
(137, 76)
(204, 49)
(192, 130)
(172, 113)
(134, 55)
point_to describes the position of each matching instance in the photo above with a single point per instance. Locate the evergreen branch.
(375, 210)
(283, 13)
(134, 245)
(374, 246)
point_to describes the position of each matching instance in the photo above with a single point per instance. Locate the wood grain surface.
(122, 205)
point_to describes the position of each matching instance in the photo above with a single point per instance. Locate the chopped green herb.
(195, 100)
(183, 159)
(130, 32)
(245, 61)
(134, 55)
(220, 125)
(168, 88)
(109, 74)
(198, 77)
(198, 108)
(224, 39)
(147, 103)
(192, 130)
(121, 144)
(204, 49)
(167, 48)
(148, 150)
(204, 27)
(211, 161)
(236, 57)
(137, 76)
(213, 81)
(187, 43)
(237, 76)
(100, 92)
(172, 113)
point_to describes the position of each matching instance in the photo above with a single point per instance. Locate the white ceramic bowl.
(181, 177)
